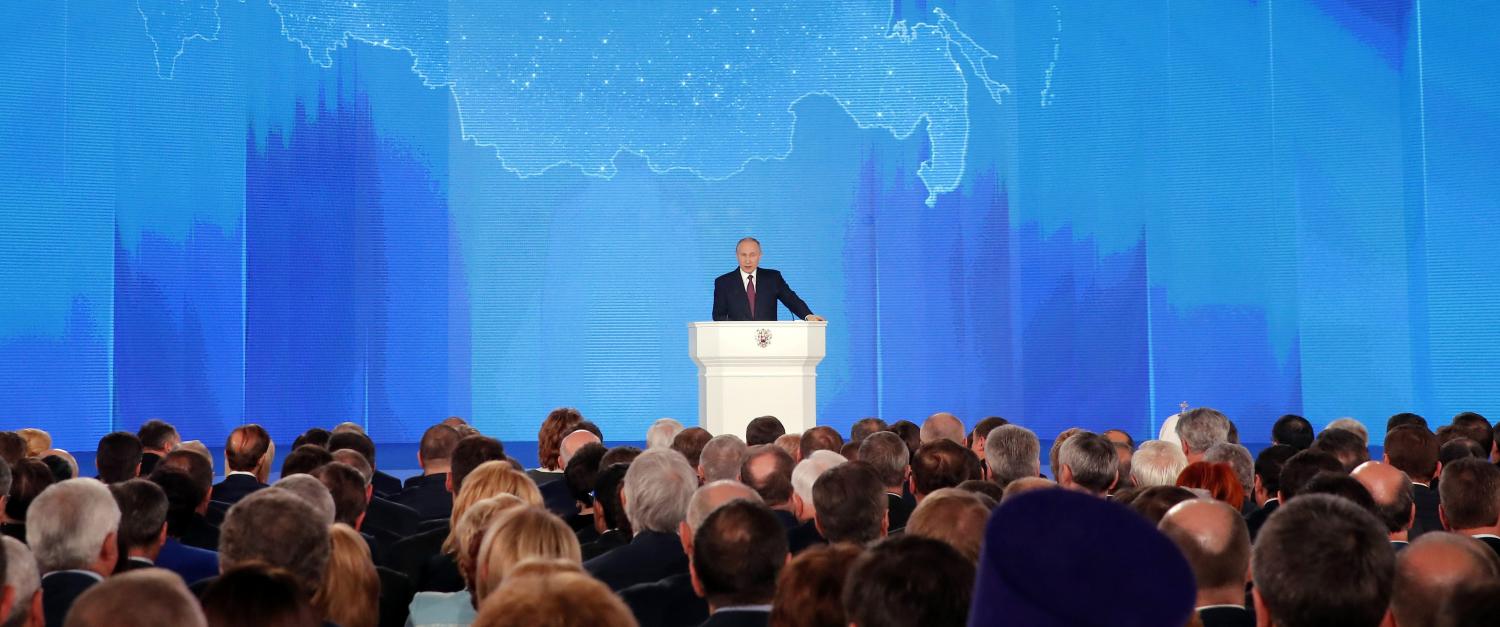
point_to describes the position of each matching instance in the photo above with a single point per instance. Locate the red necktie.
(750, 292)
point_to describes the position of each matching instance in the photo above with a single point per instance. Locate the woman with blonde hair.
(517, 535)
(349, 594)
(491, 478)
(555, 599)
(37, 441)
(434, 609)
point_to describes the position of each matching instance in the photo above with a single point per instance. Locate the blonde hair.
(491, 478)
(471, 528)
(349, 593)
(521, 533)
(954, 517)
(555, 599)
(37, 441)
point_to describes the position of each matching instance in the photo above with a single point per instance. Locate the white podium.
(752, 369)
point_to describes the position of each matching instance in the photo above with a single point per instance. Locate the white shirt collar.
(240, 472)
(81, 571)
(745, 278)
(1485, 535)
(1214, 607)
(745, 608)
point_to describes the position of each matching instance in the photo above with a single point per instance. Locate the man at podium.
(750, 292)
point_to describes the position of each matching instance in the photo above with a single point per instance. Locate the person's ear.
(109, 553)
(161, 537)
(1436, 472)
(697, 583)
(37, 619)
(137, 470)
(1184, 447)
(1065, 475)
(448, 481)
(1411, 519)
(818, 524)
(685, 536)
(1443, 518)
(1279, 498)
(7, 599)
(885, 524)
(370, 492)
(1262, 613)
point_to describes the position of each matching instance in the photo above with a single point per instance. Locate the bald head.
(713, 496)
(1216, 542)
(572, 442)
(116, 602)
(943, 426)
(1392, 492)
(1430, 570)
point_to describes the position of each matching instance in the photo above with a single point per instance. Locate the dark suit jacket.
(558, 499)
(390, 522)
(198, 532)
(899, 510)
(1490, 541)
(608, 541)
(803, 537)
(148, 463)
(410, 556)
(650, 556)
(1259, 516)
(385, 485)
(235, 487)
(1226, 617)
(61, 588)
(670, 602)
(190, 563)
(738, 618)
(133, 563)
(1427, 515)
(429, 497)
(542, 477)
(396, 593)
(731, 302)
(14, 530)
(787, 519)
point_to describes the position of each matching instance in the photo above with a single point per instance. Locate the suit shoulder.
(727, 276)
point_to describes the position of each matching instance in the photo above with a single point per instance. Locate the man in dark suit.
(1430, 570)
(1391, 491)
(143, 523)
(386, 486)
(71, 527)
(768, 470)
(187, 479)
(1214, 539)
(1321, 560)
(1267, 484)
(886, 453)
(1470, 490)
(750, 292)
(429, 495)
(157, 439)
(1412, 449)
(658, 485)
(673, 602)
(388, 522)
(247, 459)
(738, 553)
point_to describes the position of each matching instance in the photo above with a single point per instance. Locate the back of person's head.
(1012, 452)
(143, 598)
(1431, 569)
(72, 524)
(1215, 540)
(23, 579)
(143, 511)
(792, 444)
(887, 455)
(12, 447)
(258, 595)
(560, 422)
(489, 479)
(197, 466)
(1322, 560)
(469, 453)
(763, 430)
(881, 591)
(1475, 427)
(184, 494)
(1215, 478)
(1302, 467)
(1087, 462)
(349, 596)
(582, 470)
(1239, 459)
(1292, 430)
(587, 433)
(657, 488)
(986, 490)
(1391, 492)
(316, 436)
(438, 442)
(1459, 448)
(1406, 418)
(1414, 450)
(942, 463)
(607, 494)
(953, 516)
(28, 478)
(554, 599)
(247, 449)
(313, 492)
(356, 461)
(1343, 486)
(278, 529)
(304, 459)
(943, 426)
(1154, 502)
(1473, 604)
(197, 446)
(662, 432)
(354, 441)
(807, 471)
(1344, 444)
(1201, 428)
(157, 435)
(1268, 466)
(821, 438)
(1157, 463)
(722, 457)
(63, 466)
(348, 489)
(738, 552)
(710, 497)
(808, 590)
(1351, 425)
(519, 534)
(1469, 494)
(982, 430)
(118, 457)
(768, 470)
(851, 504)
(863, 427)
(910, 433)
(472, 527)
(37, 441)
(690, 443)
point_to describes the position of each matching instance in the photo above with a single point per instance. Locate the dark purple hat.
(1059, 557)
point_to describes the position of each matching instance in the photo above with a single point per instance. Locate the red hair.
(1218, 478)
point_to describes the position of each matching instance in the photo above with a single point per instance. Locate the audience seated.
(721, 459)
(579, 476)
(1157, 463)
(1412, 449)
(1344, 444)
(304, 459)
(23, 583)
(953, 516)
(1214, 539)
(1470, 500)
(610, 523)
(1012, 452)
(1351, 425)
(258, 595)
(1199, 429)
(118, 457)
(809, 588)
(881, 590)
(804, 475)
(187, 491)
(1391, 492)
(311, 491)
(248, 453)
(555, 599)
(850, 504)
(349, 593)
(1294, 431)
(887, 455)
(863, 427)
(1154, 502)
(28, 478)
(657, 488)
(737, 553)
(673, 601)
(1476, 428)
(943, 463)
(763, 430)
(792, 444)
(354, 439)
(145, 598)
(1216, 479)
(433, 609)
(518, 534)
(1431, 570)
(429, 494)
(278, 529)
(1326, 544)
(1242, 463)
(1024, 485)
(143, 523)
(72, 530)
(910, 433)
(768, 470)
(1458, 448)
(690, 443)
(943, 426)
(981, 433)
(157, 439)
(1301, 468)
(1087, 463)
(662, 432)
(820, 439)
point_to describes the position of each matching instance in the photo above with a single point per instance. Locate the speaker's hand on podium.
(815, 318)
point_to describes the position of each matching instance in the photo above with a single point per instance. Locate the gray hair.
(808, 470)
(1157, 463)
(1238, 457)
(1351, 425)
(118, 602)
(721, 458)
(1092, 459)
(21, 575)
(887, 454)
(1012, 452)
(310, 489)
(943, 426)
(662, 432)
(279, 529)
(714, 495)
(657, 488)
(358, 461)
(1201, 428)
(69, 522)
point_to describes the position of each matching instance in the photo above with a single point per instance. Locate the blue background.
(1078, 213)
